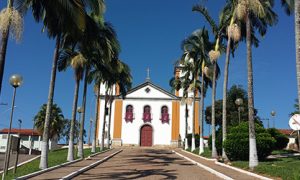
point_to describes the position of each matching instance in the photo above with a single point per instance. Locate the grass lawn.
(54, 158)
(285, 168)
(207, 152)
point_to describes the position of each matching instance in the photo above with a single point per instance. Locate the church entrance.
(146, 135)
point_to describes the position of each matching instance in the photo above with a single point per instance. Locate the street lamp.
(239, 102)
(273, 113)
(15, 81)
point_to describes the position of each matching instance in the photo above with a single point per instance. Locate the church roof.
(150, 84)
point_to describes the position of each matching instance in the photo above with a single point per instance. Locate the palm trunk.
(103, 124)
(253, 160)
(225, 85)
(186, 146)
(80, 142)
(109, 122)
(45, 143)
(71, 140)
(193, 117)
(4, 41)
(214, 153)
(201, 142)
(297, 39)
(94, 143)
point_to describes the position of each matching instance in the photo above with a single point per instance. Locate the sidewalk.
(224, 170)
(68, 169)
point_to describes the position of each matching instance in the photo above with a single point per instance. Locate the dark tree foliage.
(235, 92)
(66, 130)
(281, 139)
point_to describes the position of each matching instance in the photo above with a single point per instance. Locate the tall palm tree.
(195, 47)
(293, 6)
(11, 22)
(219, 32)
(58, 17)
(77, 61)
(257, 14)
(123, 79)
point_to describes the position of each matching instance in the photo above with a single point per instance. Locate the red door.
(146, 135)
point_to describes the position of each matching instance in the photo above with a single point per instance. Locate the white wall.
(161, 132)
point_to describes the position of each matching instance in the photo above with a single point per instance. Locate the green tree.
(296, 106)
(58, 18)
(194, 60)
(257, 15)
(77, 61)
(66, 131)
(56, 124)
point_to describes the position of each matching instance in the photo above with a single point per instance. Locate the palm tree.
(123, 79)
(10, 22)
(58, 17)
(195, 47)
(57, 121)
(294, 6)
(77, 61)
(259, 15)
(219, 32)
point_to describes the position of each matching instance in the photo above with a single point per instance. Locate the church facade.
(147, 116)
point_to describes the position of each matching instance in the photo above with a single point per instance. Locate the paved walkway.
(63, 171)
(22, 158)
(224, 170)
(146, 163)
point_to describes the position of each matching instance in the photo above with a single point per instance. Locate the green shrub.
(237, 143)
(281, 139)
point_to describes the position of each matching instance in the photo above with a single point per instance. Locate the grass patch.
(206, 153)
(285, 168)
(55, 157)
(284, 151)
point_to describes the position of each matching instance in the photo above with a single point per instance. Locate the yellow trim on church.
(175, 120)
(118, 119)
(196, 118)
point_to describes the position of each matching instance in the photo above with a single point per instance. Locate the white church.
(147, 116)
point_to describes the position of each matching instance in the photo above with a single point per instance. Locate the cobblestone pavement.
(68, 169)
(147, 163)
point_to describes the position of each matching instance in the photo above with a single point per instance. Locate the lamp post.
(273, 113)
(15, 81)
(239, 102)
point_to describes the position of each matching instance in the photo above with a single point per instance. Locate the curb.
(231, 167)
(22, 163)
(86, 168)
(55, 167)
(223, 176)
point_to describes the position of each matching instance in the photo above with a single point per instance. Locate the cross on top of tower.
(148, 74)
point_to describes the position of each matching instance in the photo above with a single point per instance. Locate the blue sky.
(150, 33)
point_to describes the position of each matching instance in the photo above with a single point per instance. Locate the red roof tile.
(285, 131)
(27, 132)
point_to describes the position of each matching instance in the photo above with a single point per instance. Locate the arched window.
(129, 113)
(164, 114)
(147, 114)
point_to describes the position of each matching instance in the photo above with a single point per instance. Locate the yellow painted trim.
(118, 119)
(196, 118)
(175, 120)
